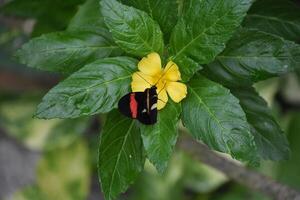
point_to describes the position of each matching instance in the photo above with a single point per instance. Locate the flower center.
(160, 81)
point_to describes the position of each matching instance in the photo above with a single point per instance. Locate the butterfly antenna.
(161, 89)
(162, 101)
(160, 92)
(144, 79)
(167, 103)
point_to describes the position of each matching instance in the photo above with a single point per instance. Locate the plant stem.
(239, 173)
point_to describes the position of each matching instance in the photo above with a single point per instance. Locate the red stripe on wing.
(133, 106)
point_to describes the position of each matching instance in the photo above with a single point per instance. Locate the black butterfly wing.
(124, 103)
(140, 105)
(147, 113)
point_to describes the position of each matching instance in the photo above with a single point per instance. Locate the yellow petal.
(150, 65)
(177, 91)
(140, 82)
(171, 72)
(162, 99)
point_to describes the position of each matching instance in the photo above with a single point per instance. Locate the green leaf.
(160, 139)
(203, 30)
(165, 13)
(252, 56)
(66, 51)
(270, 140)
(121, 157)
(133, 30)
(279, 17)
(89, 18)
(96, 88)
(214, 116)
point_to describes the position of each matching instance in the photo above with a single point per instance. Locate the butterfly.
(141, 105)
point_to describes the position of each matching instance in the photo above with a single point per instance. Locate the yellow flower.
(151, 73)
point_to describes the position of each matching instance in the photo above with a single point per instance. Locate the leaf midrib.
(96, 85)
(207, 108)
(118, 158)
(201, 34)
(213, 116)
(80, 91)
(137, 33)
(161, 138)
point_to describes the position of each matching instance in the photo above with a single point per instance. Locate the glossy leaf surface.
(203, 30)
(252, 56)
(160, 139)
(89, 18)
(165, 12)
(270, 140)
(213, 115)
(96, 88)
(132, 29)
(279, 17)
(121, 156)
(66, 51)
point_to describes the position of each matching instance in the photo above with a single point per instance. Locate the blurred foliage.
(10, 40)
(17, 118)
(183, 176)
(65, 174)
(239, 193)
(29, 193)
(50, 15)
(61, 174)
(288, 171)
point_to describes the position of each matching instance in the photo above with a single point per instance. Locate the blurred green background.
(57, 159)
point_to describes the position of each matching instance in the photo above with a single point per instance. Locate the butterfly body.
(140, 105)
